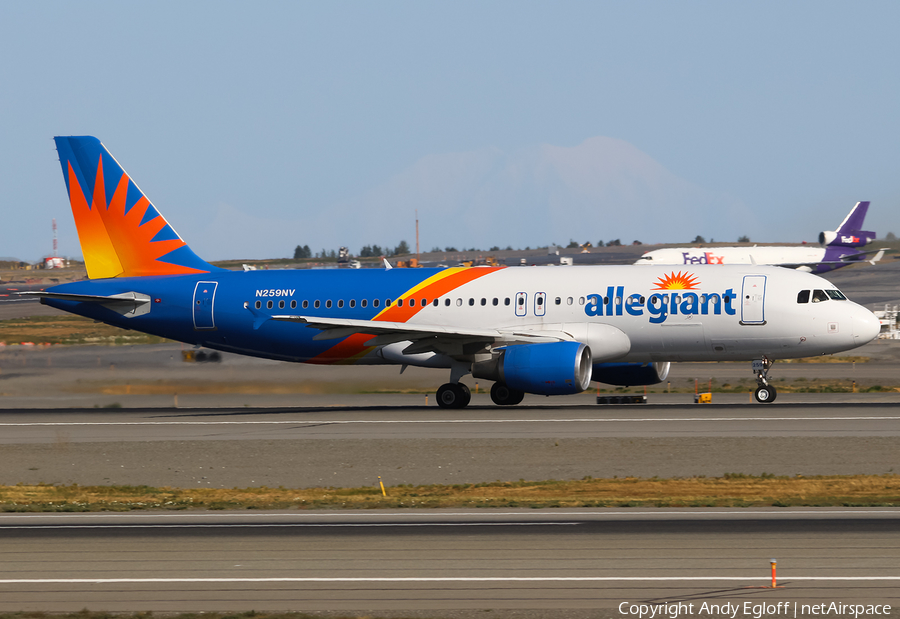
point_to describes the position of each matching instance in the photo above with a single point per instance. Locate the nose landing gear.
(765, 393)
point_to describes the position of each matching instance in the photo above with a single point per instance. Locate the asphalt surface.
(430, 563)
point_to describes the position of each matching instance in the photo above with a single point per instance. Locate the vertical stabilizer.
(120, 231)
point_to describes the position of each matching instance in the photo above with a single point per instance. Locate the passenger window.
(819, 295)
(471, 301)
(447, 302)
(363, 303)
(540, 301)
(506, 301)
(399, 302)
(340, 303)
(483, 301)
(580, 300)
(316, 304)
(435, 303)
(328, 303)
(293, 305)
(281, 305)
(387, 302)
(521, 301)
(458, 302)
(269, 304)
(803, 296)
(496, 301)
(569, 301)
(558, 300)
(258, 304)
(352, 302)
(305, 304)
(375, 302)
(424, 302)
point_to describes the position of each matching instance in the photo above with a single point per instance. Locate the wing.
(847, 259)
(423, 337)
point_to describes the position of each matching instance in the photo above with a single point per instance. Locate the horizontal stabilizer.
(133, 303)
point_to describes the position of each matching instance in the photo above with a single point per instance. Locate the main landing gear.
(765, 393)
(457, 395)
(506, 396)
(453, 395)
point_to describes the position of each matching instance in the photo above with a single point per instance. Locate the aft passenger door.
(753, 299)
(204, 303)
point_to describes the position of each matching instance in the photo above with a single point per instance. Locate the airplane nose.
(865, 326)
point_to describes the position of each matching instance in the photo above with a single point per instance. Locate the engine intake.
(555, 368)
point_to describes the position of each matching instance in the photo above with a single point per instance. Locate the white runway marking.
(86, 581)
(747, 513)
(289, 524)
(431, 421)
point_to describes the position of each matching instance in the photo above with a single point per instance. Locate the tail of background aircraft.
(121, 232)
(850, 232)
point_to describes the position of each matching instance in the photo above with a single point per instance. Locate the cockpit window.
(803, 296)
(837, 295)
(819, 295)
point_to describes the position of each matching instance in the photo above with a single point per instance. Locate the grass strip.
(730, 490)
(69, 331)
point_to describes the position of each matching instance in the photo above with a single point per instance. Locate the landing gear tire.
(765, 394)
(505, 396)
(453, 395)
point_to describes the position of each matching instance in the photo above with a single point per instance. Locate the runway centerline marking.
(291, 524)
(429, 421)
(41, 581)
(481, 514)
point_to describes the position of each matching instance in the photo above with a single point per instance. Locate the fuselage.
(808, 258)
(701, 313)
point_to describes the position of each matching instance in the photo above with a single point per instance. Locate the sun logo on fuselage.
(681, 281)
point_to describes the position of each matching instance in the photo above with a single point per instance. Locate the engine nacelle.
(631, 374)
(555, 368)
(852, 238)
(827, 237)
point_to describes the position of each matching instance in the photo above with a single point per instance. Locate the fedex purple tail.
(850, 232)
(121, 232)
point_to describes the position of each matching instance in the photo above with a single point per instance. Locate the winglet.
(387, 265)
(878, 256)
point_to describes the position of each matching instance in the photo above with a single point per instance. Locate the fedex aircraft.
(838, 249)
(540, 330)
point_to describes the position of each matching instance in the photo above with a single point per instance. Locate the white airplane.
(837, 249)
(540, 330)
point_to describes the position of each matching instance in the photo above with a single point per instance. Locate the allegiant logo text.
(705, 258)
(658, 305)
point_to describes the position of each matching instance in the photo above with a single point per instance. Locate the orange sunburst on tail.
(121, 232)
(681, 281)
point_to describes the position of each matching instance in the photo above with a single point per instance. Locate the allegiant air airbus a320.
(541, 330)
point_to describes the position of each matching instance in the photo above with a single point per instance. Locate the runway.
(441, 560)
(352, 446)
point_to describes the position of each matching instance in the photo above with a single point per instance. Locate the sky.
(255, 127)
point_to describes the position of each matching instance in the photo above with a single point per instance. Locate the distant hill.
(602, 189)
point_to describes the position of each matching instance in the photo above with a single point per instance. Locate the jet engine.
(555, 368)
(853, 238)
(631, 374)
